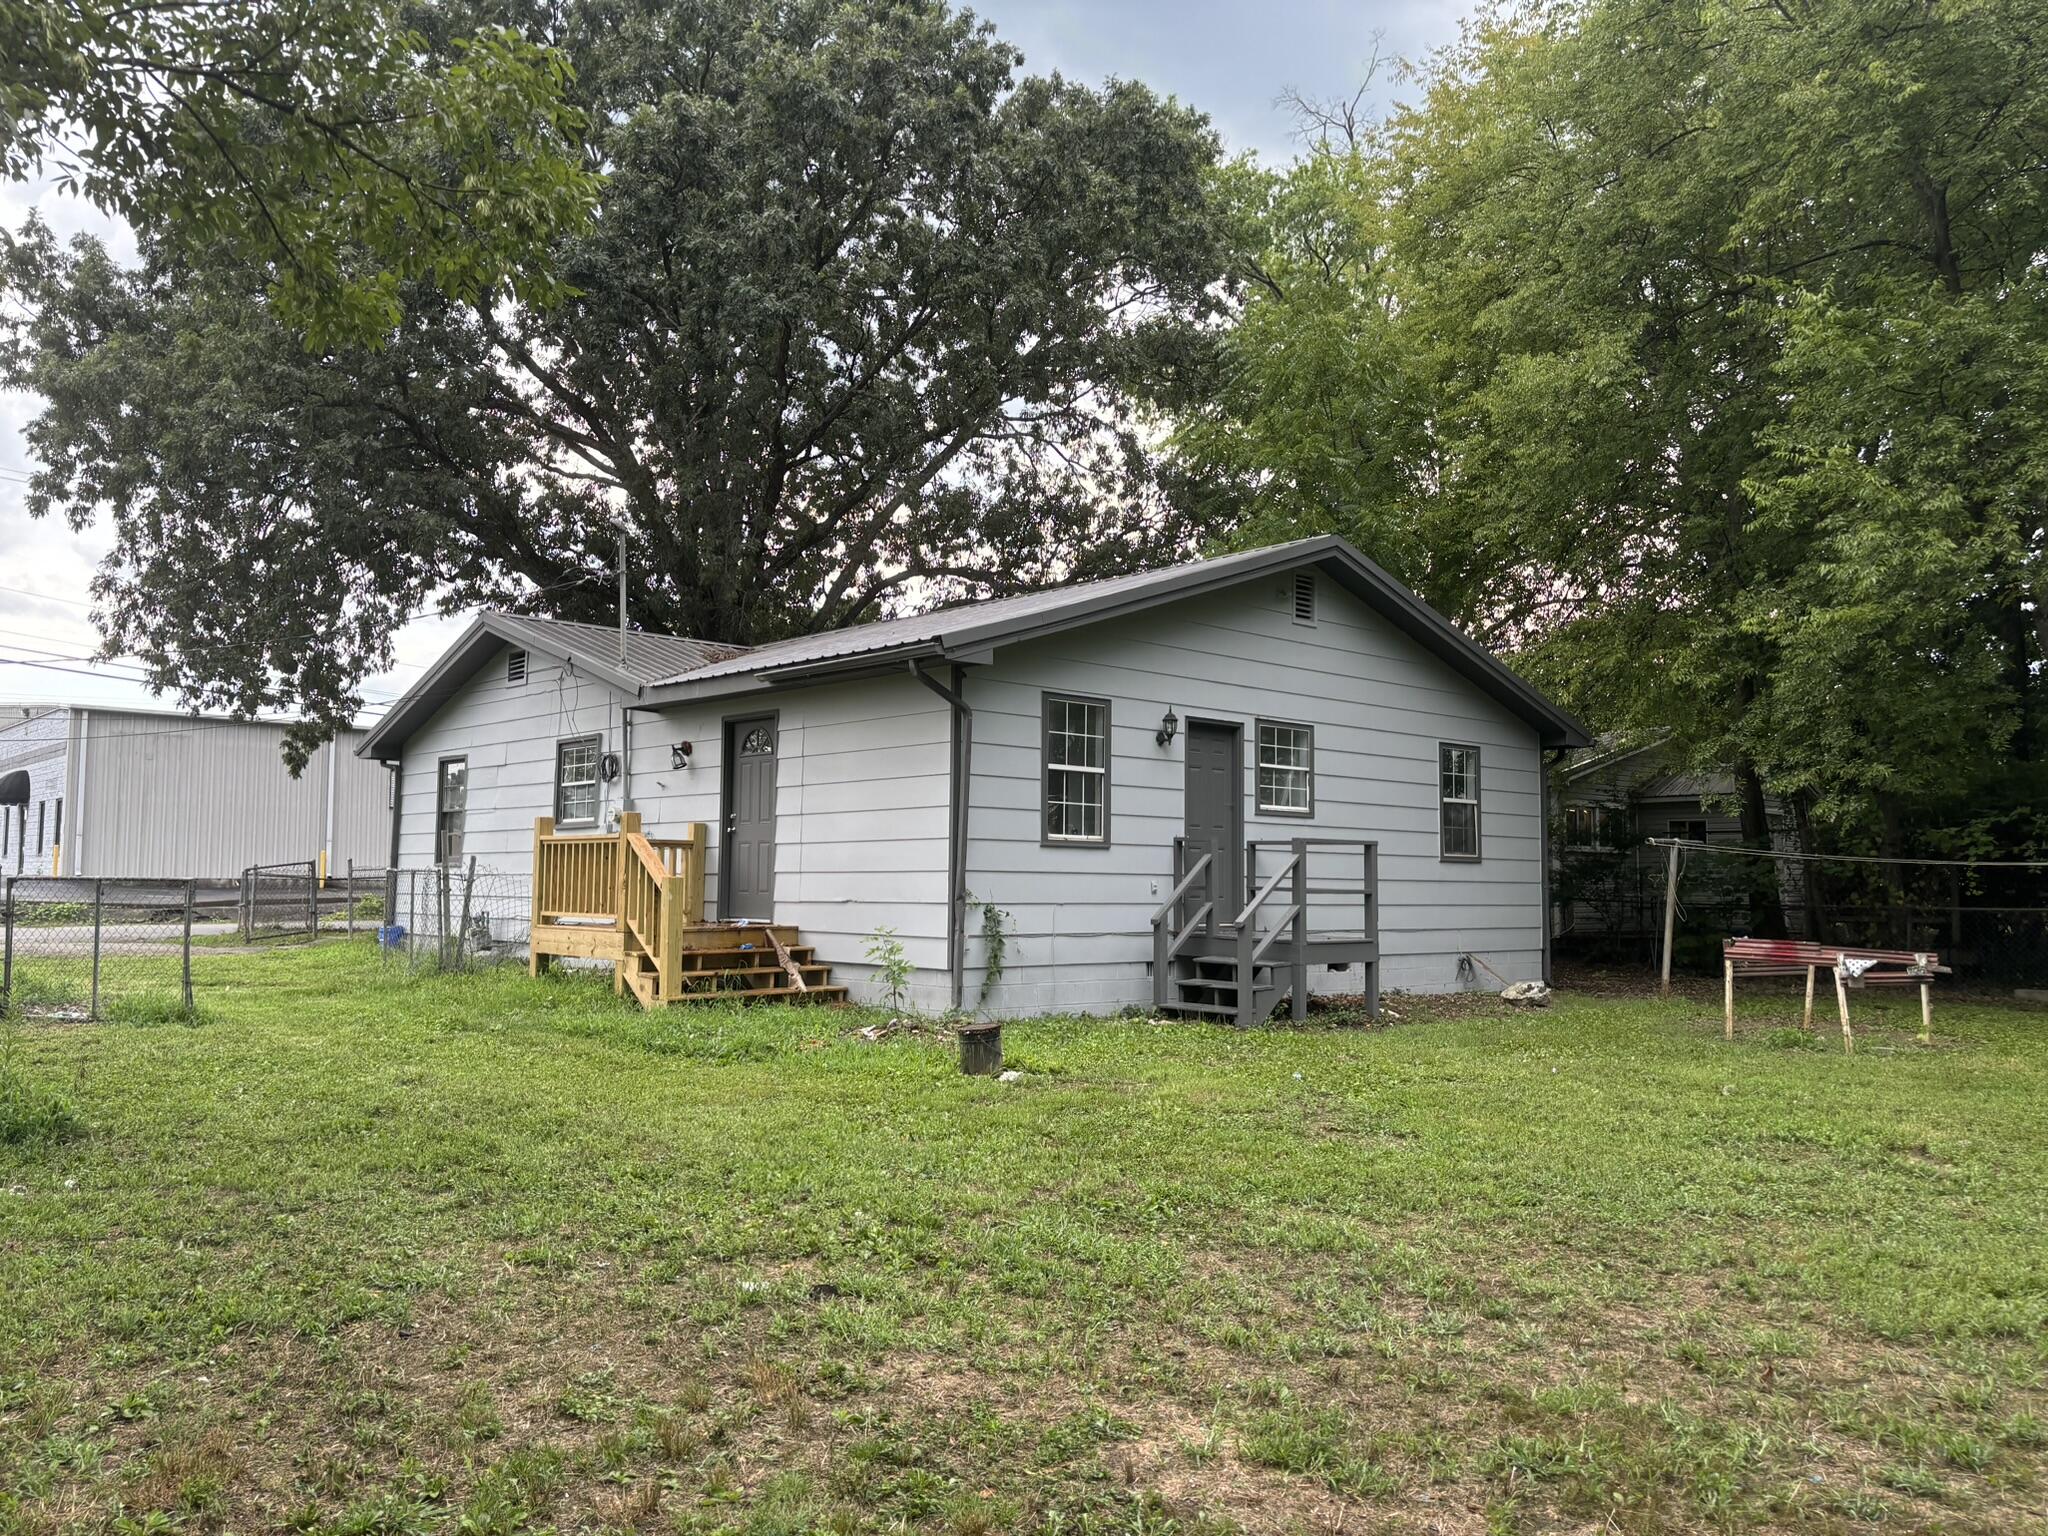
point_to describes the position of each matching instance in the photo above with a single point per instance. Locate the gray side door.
(746, 865)
(1215, 815)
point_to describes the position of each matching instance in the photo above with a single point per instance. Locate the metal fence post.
(7, 946)
(191, 896)
(99, 907)
(247, 905)
(348, 912)
(312, 900)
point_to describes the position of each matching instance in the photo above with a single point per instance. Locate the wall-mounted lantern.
(679, 755)
(1168, 726)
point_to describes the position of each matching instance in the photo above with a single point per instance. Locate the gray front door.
(746, 867)
(1215, 816)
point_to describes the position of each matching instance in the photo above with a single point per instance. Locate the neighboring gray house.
(89, 791)
(1611, 801)
(1038, 766)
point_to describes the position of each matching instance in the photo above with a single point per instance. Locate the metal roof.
(662, 669)
(649, 657)
(593, 647)
(971, 631)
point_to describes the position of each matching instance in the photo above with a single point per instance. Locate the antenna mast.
(622, 592)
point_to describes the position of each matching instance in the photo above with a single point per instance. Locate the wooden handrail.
(1180, 940)
(651, 889)
(1276, 930)
(1265, 890)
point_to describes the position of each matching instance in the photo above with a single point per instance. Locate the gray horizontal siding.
(508, 732)
(1079, 930)
(861, 796)
(861, 815)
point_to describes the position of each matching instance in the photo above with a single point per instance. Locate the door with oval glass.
(746, 863)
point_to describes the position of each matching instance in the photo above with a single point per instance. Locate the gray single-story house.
(1040, 796)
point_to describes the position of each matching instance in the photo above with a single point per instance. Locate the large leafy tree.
(1713, 338)
(859, 322)
(343, 145)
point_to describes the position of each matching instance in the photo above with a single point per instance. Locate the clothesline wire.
(1690, 845)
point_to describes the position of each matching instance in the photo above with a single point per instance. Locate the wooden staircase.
(639, 903)
(724, 961)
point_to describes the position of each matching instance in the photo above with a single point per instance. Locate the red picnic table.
(1851, 967)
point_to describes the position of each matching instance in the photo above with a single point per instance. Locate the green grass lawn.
(357, 1252)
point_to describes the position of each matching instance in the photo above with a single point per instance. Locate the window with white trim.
(1076, 770)
(576, 781)
(1458, 800)
(1286, 769)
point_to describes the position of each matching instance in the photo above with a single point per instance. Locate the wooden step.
(714, 936)
(735, 959)
(825, 994)
(715, 980)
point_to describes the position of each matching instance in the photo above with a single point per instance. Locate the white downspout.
(78, 810)
(327, 841)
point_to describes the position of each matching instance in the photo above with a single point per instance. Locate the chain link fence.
(92, 949)
(452, 918)
(1988, 922)
(280, 901)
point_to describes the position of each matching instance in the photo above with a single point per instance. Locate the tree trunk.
(1891, 843)
(1809, 872)
(1767, 906)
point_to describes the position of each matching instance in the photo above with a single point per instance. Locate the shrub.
(892, 965)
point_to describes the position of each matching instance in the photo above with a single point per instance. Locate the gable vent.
(515, 667)
(1304, 597)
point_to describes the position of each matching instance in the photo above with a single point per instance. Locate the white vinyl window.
(1458, 800)
(1286, 769)
(1076, 770)
(576, 781)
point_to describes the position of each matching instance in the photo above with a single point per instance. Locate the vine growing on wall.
(995, 947)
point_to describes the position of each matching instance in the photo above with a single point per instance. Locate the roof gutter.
(962, 760)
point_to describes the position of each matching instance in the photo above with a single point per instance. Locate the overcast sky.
(1231, 58)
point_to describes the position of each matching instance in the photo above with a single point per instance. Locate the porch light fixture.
(1168, 726)
(679, 755)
